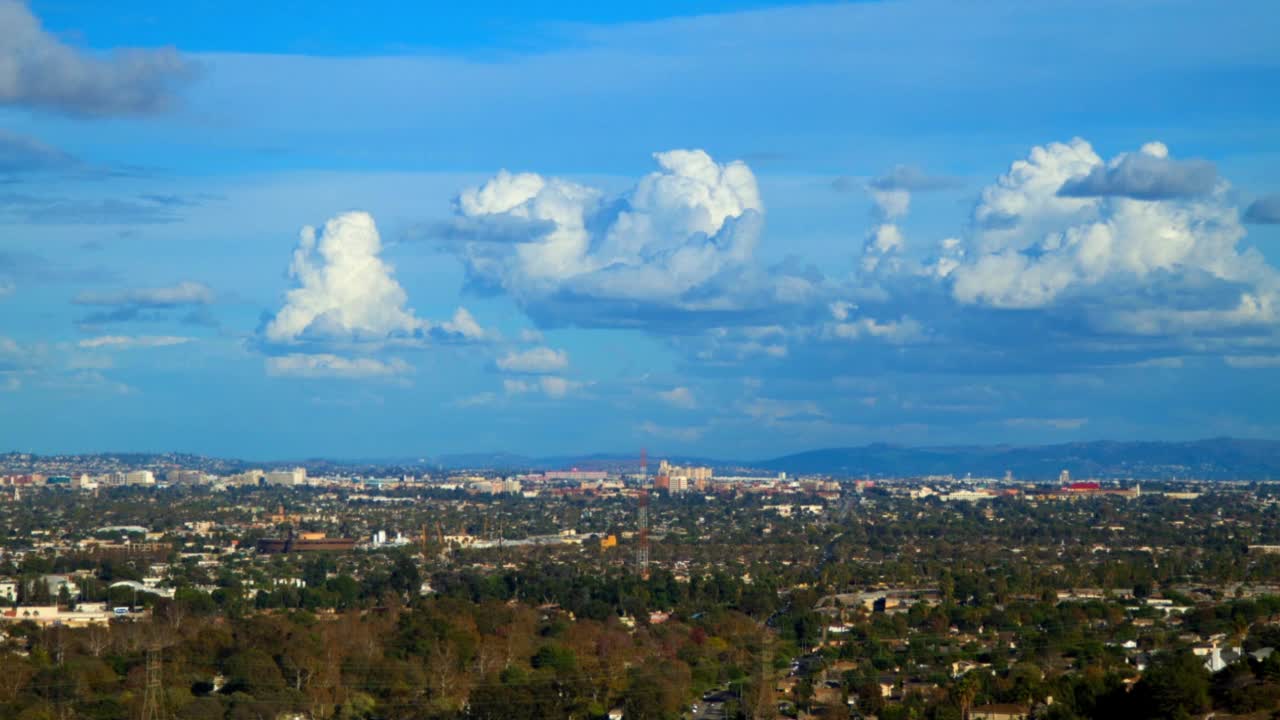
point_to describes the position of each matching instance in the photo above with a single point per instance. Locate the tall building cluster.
(679, 479)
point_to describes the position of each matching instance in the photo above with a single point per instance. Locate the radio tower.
(644, 466)
(642, 546)
(153, 700)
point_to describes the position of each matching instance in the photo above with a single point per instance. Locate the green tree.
(1175, 686)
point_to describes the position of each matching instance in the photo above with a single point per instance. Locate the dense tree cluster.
(445, 657)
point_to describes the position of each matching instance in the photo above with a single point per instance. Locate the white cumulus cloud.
(1022, 204)
(1049, 246)
(347, 293)
(664, 244)
(462, 326)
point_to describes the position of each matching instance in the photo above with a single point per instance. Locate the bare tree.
(97, 640)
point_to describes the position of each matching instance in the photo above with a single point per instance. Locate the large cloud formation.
(347, 301)
(1148, 264)
(1145, 266)
(346, 293)
(39, 71)
(679, 243)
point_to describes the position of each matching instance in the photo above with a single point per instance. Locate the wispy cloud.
(477, 400)
(41, 210)
(125, 342)
(681, 397)
(550, 385)
(669, 432)
(534, 361)
(1049, 423)
(187, 292)
(148, 304)
(1264, 211)
(1253, 361)
(334, 366)
(20, 154)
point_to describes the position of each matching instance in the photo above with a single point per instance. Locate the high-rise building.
(680, 478)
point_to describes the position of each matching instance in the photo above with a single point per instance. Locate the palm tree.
(964, 692)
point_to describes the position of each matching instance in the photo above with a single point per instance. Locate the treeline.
(443, 657)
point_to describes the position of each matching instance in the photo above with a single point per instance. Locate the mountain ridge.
(1221, 458)
(1210, 458)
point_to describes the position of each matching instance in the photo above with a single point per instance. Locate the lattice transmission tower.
(642, 531)
(153, 701)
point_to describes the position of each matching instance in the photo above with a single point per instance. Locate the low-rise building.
(1001, 711)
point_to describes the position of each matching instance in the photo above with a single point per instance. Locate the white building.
(82, 616)
(55, 584)
(140, 477)
(296, 476)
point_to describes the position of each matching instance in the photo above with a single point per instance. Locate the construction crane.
(442, 548)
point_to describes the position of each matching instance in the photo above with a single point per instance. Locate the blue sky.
(727, 229)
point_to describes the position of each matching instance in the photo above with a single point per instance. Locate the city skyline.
(725, 230)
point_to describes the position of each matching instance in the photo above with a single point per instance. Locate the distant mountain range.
(1215, 459)
(1212, 459)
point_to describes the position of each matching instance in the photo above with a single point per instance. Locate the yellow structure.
(608, 541)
